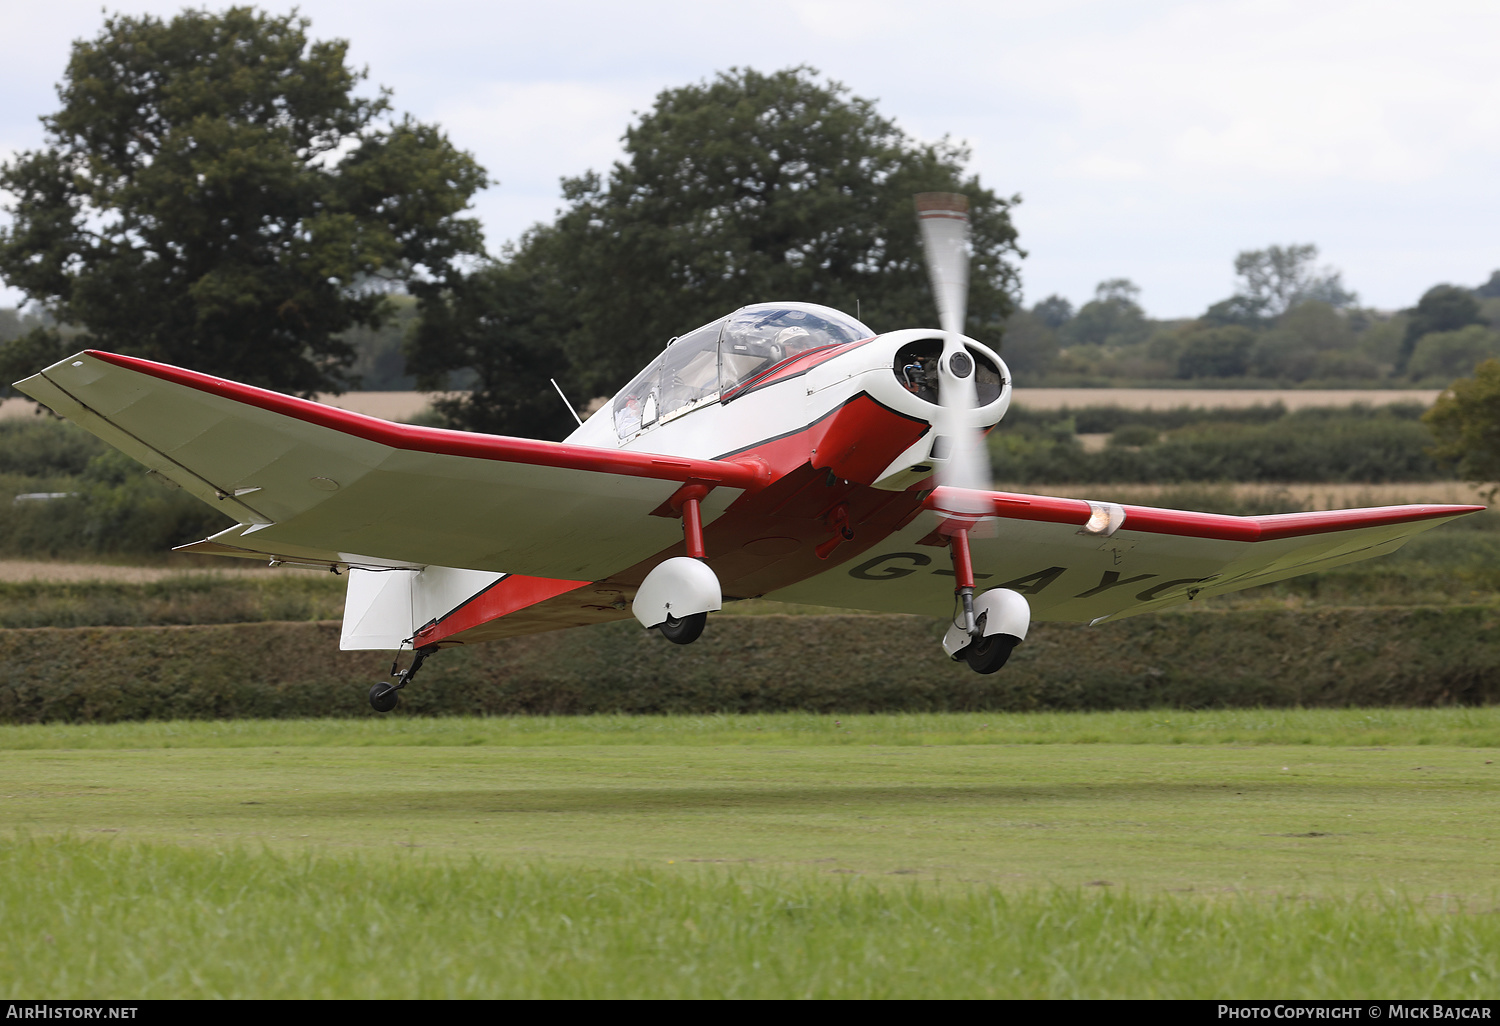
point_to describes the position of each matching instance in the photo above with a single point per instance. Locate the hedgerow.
(1334, 658)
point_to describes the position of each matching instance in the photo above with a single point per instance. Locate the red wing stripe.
(1187, 524)
(453, 443)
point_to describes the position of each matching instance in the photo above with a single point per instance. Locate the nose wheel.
(385, 694)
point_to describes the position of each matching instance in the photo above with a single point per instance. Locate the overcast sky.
(1151, 140)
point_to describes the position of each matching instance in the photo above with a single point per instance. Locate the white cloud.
(1151, 140)
(1103, 166)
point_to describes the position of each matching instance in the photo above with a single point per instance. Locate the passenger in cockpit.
(628, 416)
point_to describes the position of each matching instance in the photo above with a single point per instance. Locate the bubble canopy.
(710, 360)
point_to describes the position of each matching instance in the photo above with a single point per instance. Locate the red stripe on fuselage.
(506, 595)
(792, 367)
(883, 433)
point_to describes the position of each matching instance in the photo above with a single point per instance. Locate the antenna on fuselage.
(565, 401)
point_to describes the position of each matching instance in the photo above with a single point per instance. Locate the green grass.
(1472, 727)
(91, 920)
(1286, 853)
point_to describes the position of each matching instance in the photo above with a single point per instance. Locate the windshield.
(716, 357)
(760, 336)
(686, 372)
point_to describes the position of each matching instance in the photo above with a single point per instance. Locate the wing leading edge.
(313, 483)
(1078, 560)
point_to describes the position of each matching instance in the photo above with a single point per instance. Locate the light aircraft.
(784, 450)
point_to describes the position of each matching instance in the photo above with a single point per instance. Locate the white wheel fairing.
(997, 611)
(679, 587)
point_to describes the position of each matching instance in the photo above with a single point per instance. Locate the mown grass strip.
(93, 920)
(1477, 727)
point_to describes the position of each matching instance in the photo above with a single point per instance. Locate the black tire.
(383, 697)
(686, 630)
(989, 654)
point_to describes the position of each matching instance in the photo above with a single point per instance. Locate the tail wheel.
(986, 655)
(383, 697)
(686, 630)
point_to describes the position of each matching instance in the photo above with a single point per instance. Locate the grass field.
(1276, 853)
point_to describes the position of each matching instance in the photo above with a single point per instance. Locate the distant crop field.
(1217, 398)
(1156, 854)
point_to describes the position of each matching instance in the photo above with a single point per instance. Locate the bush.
(1222, 352)
(1103, 420)
(1360, 444)
(44, 446)
(112, 506)
(1334, 658)
(1444, 355)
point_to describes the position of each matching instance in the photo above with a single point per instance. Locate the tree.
(1491, 288)
(747, 188)
(1276, 279)
(1298, 345)
(1054, 311)
(1030, 345)
(1441, 308)
(1445, 355)
(213, 195)
(1113, 317)
(497, 323)
(1215, 352)
(1466, 422)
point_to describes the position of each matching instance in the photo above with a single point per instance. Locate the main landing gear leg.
(686, 630)
(383, 696)
(983, 654)
(963, 572)
(984, 641)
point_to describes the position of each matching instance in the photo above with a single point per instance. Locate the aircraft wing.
(1086, 561)
(310, 483)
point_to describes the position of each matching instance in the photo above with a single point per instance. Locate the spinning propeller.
(944, 219)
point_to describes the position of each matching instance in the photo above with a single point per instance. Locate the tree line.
(1289, 323)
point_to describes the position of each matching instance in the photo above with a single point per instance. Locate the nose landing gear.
(383, 696)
